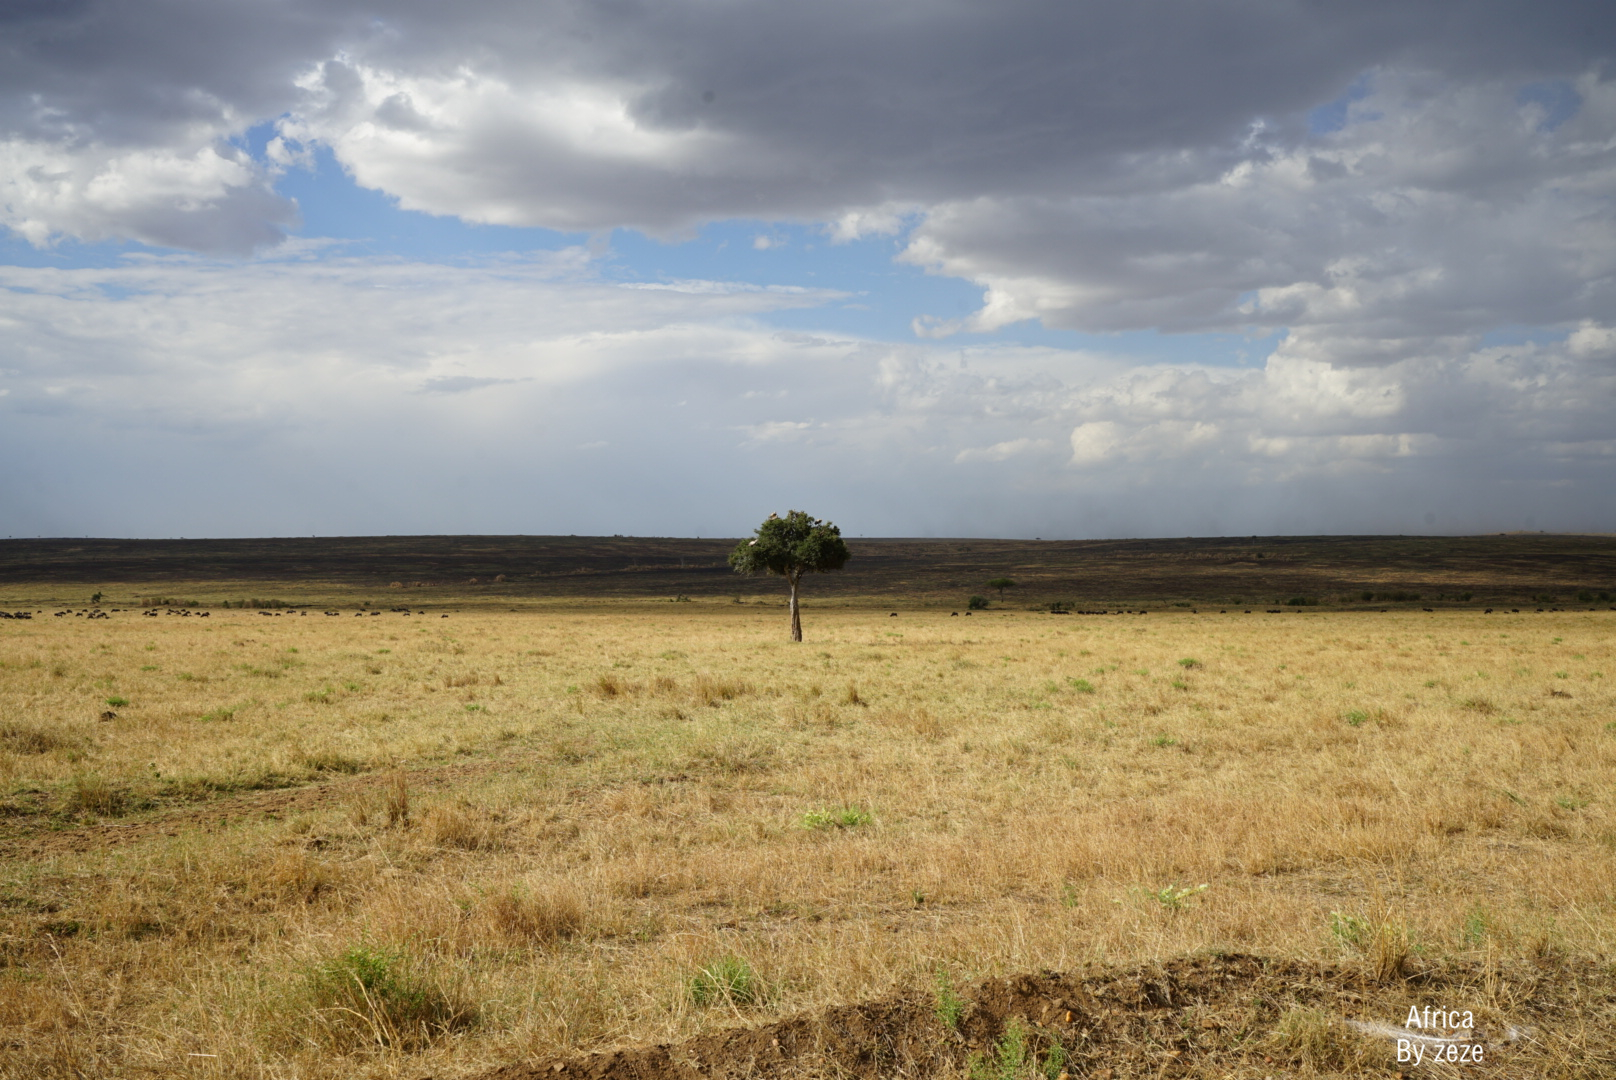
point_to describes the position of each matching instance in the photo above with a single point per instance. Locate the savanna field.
(302, 845)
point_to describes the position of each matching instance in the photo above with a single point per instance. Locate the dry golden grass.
(532, 831)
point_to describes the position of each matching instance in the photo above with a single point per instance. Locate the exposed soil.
(1221, 1016)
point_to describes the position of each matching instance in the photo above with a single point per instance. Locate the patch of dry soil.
(1206, 1016)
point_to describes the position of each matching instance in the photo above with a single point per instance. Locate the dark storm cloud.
(723, 109)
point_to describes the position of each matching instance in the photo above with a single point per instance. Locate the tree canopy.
(790, 547)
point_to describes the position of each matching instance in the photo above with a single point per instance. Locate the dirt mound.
(1223, 1016)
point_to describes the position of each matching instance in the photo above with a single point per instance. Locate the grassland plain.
(1515, 569)
(297, 845)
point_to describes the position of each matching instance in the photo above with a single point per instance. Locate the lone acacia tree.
(791, 546)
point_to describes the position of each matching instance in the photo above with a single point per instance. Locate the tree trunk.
(796, 616)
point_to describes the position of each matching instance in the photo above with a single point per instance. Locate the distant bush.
(977, 603)
(167, 601)
(1588, 596)
(1398, 596)
(1302, 601)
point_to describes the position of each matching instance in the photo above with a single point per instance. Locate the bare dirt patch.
(1227, 1016)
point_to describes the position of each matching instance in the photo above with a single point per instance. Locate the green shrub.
(1175, 897)
(976, 603)
(846, 817)
(367, 995)
(1302, 601)
(729, 980)
(1013, 1059)
(1350, 929)
(950, 1006)
(1008, 1058)
(117, 702)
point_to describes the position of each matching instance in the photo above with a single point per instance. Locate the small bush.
(1175, 897)
(1302, 601)
(1013, 1059)
(949, 1005)
(976, 603)
(366, 995)
(23, 739)
(1384, 942)
(737, 757)
(92, 794)
(1008, 1058)
(528, 916)
(847, 817)
(329, 761)
(1349, 929)
(606, 686)
(712, 690)
(1318, 1041)
(398, 799)
(728, 980)
(461, 825)
(1189, 662)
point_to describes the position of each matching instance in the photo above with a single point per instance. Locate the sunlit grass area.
(317, 846)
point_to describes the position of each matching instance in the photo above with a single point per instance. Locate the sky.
(1014, 268)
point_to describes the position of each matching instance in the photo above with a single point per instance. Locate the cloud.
(286, 396)
(1435, 213)
(1002, 451)
(459, 384)
(208, 197)
(578, 116)
(1381, 187)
